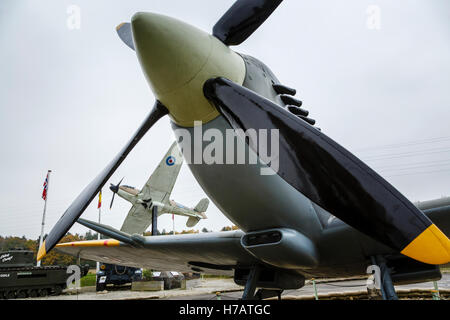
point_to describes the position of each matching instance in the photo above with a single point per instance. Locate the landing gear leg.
(386, 285)
(267, 293)
(154, 221)
(250, 286)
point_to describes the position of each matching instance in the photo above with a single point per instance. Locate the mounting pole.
(154, 221)
(387, 287)
(99, 222)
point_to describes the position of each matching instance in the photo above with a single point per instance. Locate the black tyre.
(32, 293)
(22, 294)
(10, 294)
(58, 290)
(43, 292)
(100, 286)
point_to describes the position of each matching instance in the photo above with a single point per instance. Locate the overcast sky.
(71, 98)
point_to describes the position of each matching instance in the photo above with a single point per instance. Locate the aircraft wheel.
(22, 294)
(10, 294)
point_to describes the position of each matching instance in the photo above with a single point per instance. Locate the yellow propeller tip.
(120, 26)
(431, 246)
(41, 252)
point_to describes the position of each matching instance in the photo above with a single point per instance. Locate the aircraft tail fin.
(202, 206)
(192, 222)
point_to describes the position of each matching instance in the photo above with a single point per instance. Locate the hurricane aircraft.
(153, 200)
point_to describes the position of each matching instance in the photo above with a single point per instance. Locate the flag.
(99, 200)
(44, 192)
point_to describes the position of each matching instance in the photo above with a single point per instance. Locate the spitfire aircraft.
(288, 232)
(154, 198)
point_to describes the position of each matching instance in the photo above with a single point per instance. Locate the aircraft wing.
(158, 188)
(137, 220)
(160, 184)
(214, 253)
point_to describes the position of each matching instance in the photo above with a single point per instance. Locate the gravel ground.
(206, 290)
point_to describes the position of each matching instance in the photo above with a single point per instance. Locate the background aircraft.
(284, 217)
(156, 194)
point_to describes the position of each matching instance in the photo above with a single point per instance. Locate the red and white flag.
(44, 192)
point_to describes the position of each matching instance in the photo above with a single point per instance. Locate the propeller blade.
(112, 200)
(125, 34)
(242, 19)
(84, 199)
(114, 189)
(332, 177)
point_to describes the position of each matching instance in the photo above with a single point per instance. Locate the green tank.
(21, 278)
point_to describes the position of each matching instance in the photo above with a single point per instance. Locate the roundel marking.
(170, 161)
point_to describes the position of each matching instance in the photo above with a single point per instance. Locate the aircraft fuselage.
(170, 207)
(261, 202)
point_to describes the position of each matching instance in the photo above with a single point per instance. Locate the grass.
(445, 269)
(88, 280)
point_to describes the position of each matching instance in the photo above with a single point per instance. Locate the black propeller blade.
(84, 199)
(242, 19)
(114, 189)
(331, 176)
(107, 231)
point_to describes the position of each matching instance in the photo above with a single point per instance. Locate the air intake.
(283, 248)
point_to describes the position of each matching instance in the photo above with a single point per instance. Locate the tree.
(90, 235)
(56, 258)
(192, 231)
(53, 257)
(230, 228)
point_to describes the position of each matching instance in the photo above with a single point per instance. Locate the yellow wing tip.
(42, 252)
(91, 243)
(431, 246)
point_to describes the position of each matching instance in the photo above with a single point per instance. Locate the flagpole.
(43, 214)
(99, 221)
(173, 223)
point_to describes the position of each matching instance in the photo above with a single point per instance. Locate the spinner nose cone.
(171, 52)
(177, 59)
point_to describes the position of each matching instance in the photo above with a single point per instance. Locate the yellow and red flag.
(99, 200)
